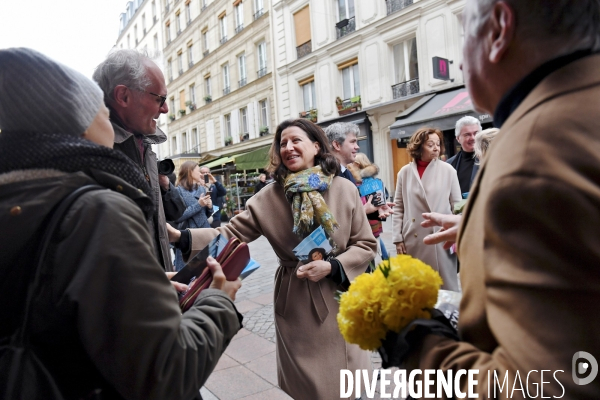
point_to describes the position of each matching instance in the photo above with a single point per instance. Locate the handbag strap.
(57, 216)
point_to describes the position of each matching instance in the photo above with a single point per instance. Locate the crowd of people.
(98, 309)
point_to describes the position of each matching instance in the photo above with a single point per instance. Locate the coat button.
(413, 220)
(119, 188)
(16, 210)
(415, 235)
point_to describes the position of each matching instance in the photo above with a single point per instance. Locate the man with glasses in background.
(135, 93)
(465, 162)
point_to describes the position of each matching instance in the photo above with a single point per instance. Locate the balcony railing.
(304, 49)
(178, 31)
(190, 64)
(203, 7)
(242, 82)
(404, 89)
(144, 31)
(239, 28)
(259, 14)
(154, 19)
(262, 72)
(310, 114)
(345, 27)
(189, 21)
(223, 40)
(180, 71)
(167, 7)
(396, 5)
(168, 41)
(227, 90)
(207, 52)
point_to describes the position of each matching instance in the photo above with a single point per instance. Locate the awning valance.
(441, 111)
(256, 159)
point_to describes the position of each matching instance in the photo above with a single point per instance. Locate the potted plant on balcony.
(172, 117)
(208, 98)
(312, 115)
(182, 112)
(339, 103)
(264, 130)
(228, 141)
(190, 105)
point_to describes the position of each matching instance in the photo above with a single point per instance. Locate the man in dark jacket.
(135, 93)
(465, 162)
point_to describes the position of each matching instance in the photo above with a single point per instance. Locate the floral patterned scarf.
(308, 206)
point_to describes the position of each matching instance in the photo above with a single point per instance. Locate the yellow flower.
(397, 292)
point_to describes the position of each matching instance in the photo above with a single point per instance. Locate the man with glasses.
(135, 93)
(465, 162)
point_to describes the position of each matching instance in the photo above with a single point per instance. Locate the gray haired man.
(135, 93)
(343, 137)
(464, 162)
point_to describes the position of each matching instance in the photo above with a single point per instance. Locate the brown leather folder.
(233, 259)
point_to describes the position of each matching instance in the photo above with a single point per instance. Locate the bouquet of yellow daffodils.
(400, 290)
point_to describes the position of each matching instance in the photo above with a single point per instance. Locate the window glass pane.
(263, 113)
(350, 8)
(356, 80)
(399, 65)
(313, 103)
(342, 9)
(346, 83)
(414, 59)
(306, 97)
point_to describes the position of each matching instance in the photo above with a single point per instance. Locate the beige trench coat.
(437, 191)
(310, 348)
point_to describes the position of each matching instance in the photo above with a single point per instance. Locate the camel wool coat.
(310, 348)
(529, 247)
(437, 191)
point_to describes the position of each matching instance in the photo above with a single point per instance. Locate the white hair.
(122, 67)
(483, 140)
(569, 24)
(338, 131)
(466, 121)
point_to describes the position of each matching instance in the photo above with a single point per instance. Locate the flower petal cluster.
(397, 292)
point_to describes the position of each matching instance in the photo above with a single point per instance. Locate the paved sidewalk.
(248, 368)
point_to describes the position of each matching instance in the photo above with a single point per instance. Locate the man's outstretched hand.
(447, 234)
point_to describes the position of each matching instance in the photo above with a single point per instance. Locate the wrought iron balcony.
(167, 7)
(180, 71)
(259, 14)
(227, 90)
(207, 52)
(345, 27)
(404, 89)
(154, 19)
(396, 5)
(190, 64)
(203, 7)
(178, 31)
(223, 40)
(304, 49)
(242, 82)
(262, 72)
(239, 28)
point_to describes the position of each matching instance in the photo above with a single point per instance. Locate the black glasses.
(162, 98)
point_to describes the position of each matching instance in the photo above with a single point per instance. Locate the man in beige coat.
(529, 239)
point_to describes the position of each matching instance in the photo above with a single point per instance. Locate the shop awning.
(256, 159)
(440, 110)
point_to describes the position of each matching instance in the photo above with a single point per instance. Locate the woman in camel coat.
(310, 348)
(426, 185)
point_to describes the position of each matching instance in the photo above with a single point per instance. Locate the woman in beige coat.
(425, 185)
(310, 348)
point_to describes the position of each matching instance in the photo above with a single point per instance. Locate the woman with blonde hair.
(427, 184)
(197, 200)
(483, 140)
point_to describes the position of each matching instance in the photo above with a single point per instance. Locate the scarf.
(308, 206)
(27, 150)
